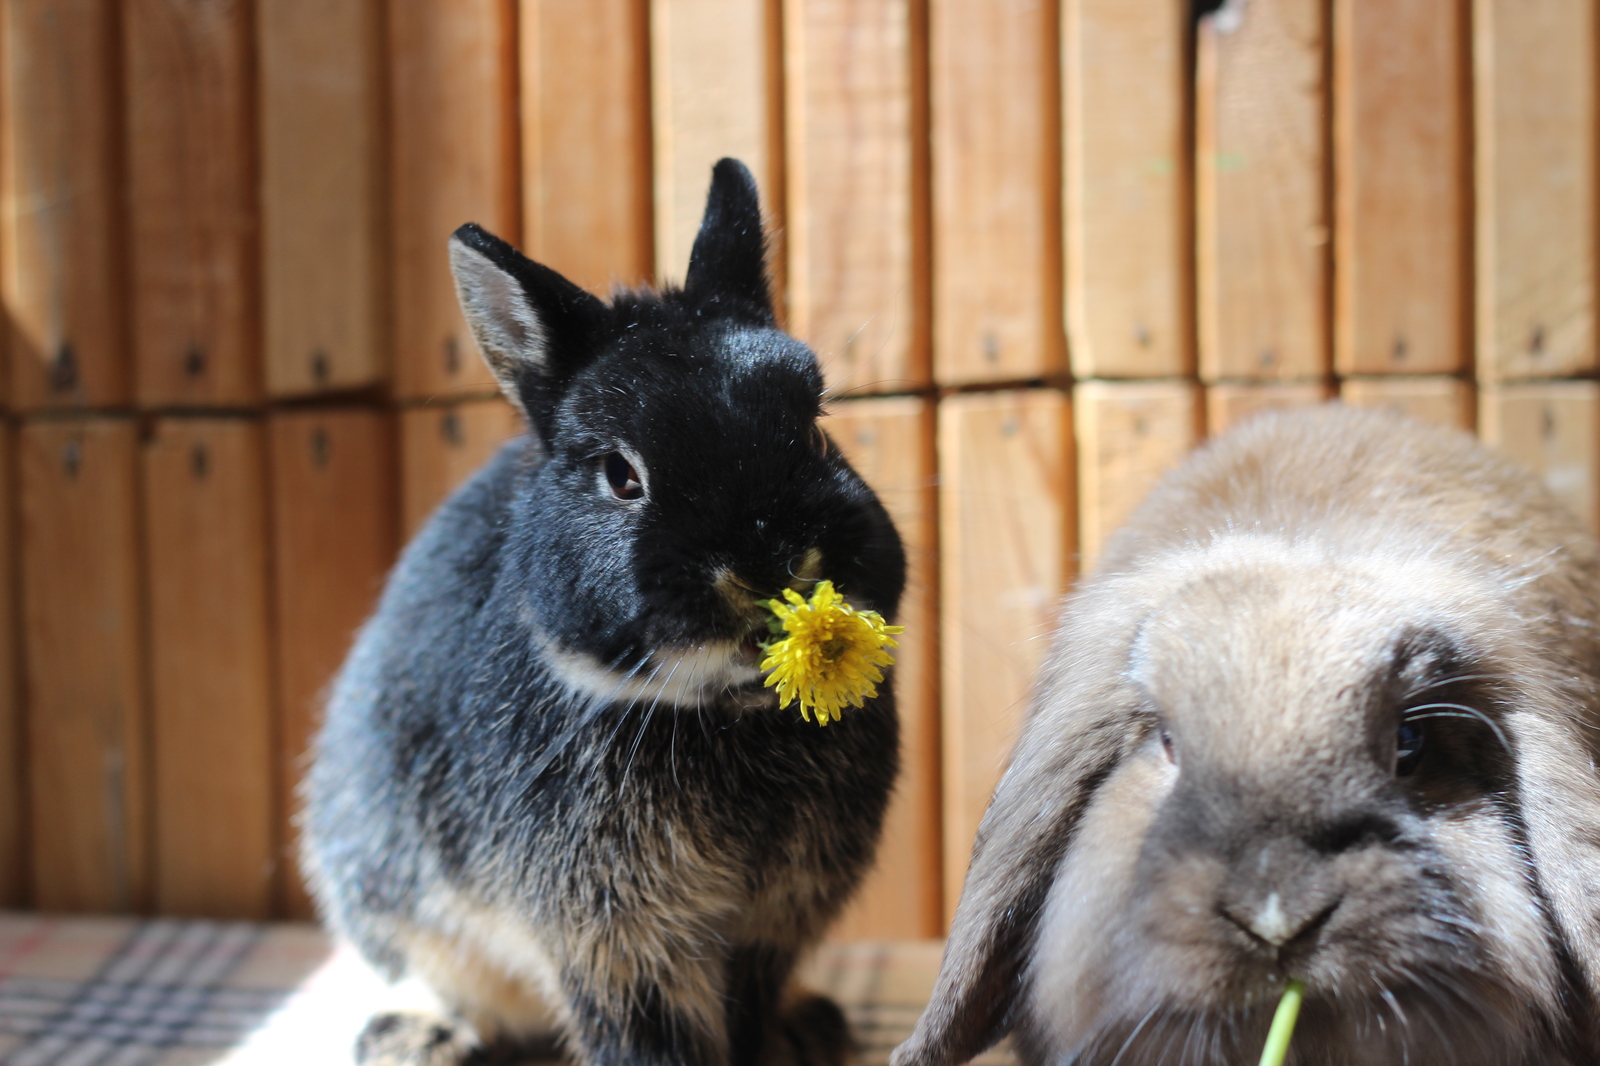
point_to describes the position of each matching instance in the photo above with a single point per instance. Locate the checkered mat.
(125, 992)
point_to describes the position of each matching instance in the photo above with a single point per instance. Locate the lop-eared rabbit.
(1325, 710)
(551, 782)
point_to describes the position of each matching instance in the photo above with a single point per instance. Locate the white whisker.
(1441, 710)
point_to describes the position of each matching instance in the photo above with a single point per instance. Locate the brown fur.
(1275, 609)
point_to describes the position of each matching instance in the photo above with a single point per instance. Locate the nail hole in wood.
(1142, 336)
(450, 429)
(319, 366)
(200, 461)
(320, 448)
(1268, 357)
(1547, 423)
(72, 458)
(452, 355)
(194, 361)
(64, 369)
(1009, 427)
(1398, 351)
(1536, 340)
(991, 347)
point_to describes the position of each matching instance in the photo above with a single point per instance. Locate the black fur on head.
(696, 396)
(536, 329)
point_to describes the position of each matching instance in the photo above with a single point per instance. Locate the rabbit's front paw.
(812, 1031)
(412, 1038)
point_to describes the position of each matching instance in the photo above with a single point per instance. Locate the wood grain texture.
(335, 533)
(1403, 184)
(1230, 403)
(1534, 74)
(1006, 538)
(322, 206)
(890, 442)
(1127, 180)
(61, 205)
(443, 445)
(586, 193)
(192, 198)
(13, 798)
(1553, 429)
(1129, 434)
(453, 159)
(1262, 205)
(83, 656)
(1443, 401)
(716, 85)
(857, 206)
(995, 119)
(210, 667)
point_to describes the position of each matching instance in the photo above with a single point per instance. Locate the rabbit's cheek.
(1088, 928)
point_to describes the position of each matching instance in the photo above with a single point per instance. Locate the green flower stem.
(1283, 1024)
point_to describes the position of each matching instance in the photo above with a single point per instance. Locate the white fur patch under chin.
(678, 677)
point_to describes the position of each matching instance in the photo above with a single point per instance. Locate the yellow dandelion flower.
(830, 655)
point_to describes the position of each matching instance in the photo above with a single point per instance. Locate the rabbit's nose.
(1275, 922)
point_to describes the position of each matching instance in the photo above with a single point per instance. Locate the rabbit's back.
(1356, 479)
(395, 696)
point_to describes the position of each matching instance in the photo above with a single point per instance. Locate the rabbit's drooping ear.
(534, 327)
(1067, 750)
(1560, 808)
(728, 265)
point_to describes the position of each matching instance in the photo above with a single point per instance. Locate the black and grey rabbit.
(551, 783)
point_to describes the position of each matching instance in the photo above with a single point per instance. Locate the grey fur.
(1287, 614)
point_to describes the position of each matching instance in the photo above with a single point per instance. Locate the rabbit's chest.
(766, 824)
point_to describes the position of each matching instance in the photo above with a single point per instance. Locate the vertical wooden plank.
(1127, 179)
(322, 209)
(1006, 536)
(453, 159)
(995, 114)
(334, 536)
(83, 642)
(586, 139)
(1553, 429)
(192, 200)
(857, 244)
(715, 90)
(61, 205)
(13, 857)
(1129, 434)
(1443, 401)
(890, 442)
(1262, 211)
(443, 445)
(1402, 180)
(1534, 71)
(1229, 404)
(210, 667)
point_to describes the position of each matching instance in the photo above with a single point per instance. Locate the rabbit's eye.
(1168, 748)
(623, 478)
(1408, 750)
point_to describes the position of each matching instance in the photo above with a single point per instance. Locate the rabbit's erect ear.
(728, 265)
(1067, 750)
(534, 327)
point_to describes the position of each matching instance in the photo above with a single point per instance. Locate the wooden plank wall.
(1041, 247)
